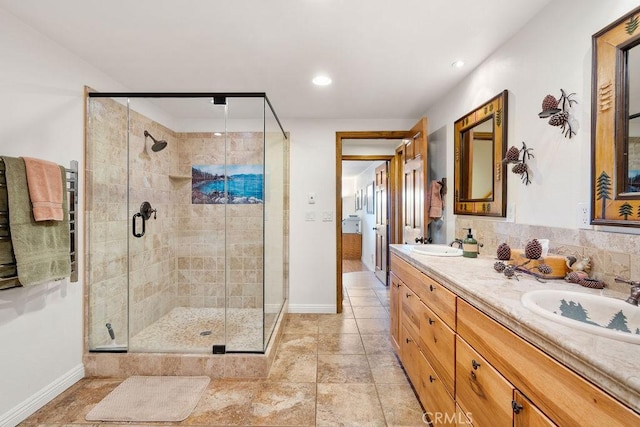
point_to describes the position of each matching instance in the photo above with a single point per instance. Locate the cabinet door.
(394, 302)
(480, 390)
(526, 414)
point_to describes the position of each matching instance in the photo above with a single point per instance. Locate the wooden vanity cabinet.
(562, 395)
(479, 373)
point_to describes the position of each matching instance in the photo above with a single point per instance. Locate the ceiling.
(387, 59)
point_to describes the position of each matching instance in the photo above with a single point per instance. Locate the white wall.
(553, 51)
(313, 243)
(41, 115)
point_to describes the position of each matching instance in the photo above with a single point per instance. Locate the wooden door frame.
(391, 196)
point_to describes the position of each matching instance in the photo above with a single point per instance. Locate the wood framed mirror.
(479, 173)
(615, 133)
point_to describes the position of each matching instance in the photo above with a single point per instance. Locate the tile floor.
(329, 370)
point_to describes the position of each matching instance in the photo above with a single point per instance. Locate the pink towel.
(435, 200)
(44, 179)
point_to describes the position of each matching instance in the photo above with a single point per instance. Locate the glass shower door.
(177, 226)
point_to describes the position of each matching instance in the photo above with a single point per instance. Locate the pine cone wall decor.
(559, 112)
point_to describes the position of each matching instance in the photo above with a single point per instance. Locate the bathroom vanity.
(476, 356)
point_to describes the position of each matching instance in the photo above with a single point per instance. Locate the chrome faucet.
(635, 290)
(456, 242)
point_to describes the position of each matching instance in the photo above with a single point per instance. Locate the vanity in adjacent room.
(477, 356)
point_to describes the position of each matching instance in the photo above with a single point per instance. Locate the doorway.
(415, 139)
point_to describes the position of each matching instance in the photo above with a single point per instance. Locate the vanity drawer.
(433, 395)
(438, 343)
(411, 309)
(481, 390)
(432, 293)
(439, 299)
(562, 395)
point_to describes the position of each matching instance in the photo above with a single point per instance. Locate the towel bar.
(72, 190)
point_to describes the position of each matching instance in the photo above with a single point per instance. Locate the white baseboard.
(312, 308)
(23, 410)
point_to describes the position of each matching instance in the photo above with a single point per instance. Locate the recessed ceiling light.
(458, 64)
(217, 134)
(321, 80)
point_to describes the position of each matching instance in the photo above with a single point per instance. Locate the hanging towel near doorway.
(41, 248)
(434, 198)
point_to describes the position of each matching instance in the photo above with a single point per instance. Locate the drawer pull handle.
(431, 321)
(516, 407)
(407, 295)
(475, 364)
(407, 340)
(432, 288)
(431, 379)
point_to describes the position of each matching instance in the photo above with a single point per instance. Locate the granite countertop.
(613, 365)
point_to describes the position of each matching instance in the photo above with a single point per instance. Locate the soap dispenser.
(469, 245)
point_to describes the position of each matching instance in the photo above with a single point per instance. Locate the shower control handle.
(133, 224)
(146, 210)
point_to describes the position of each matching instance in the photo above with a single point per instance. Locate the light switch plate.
(310, 216)
(327, 216)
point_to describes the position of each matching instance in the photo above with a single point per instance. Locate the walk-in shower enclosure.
(187, 222)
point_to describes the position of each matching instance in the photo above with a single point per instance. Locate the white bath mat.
(141, 398)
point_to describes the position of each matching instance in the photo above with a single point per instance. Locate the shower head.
(157, 145)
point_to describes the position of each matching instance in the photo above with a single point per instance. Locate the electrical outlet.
(583, 216)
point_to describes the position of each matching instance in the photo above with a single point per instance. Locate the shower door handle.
(133, 224)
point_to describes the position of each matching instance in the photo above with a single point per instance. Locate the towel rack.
(8, 272)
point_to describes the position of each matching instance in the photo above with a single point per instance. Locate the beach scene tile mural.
(230, 184)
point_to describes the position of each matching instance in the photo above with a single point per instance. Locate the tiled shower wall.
(612, 254)
(182, 258)
(203, 230)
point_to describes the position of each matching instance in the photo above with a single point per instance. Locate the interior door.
(415, 184)
(382, 222)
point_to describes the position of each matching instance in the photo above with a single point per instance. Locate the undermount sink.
(436, 250)
(608, 317)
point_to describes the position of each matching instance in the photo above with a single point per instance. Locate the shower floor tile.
(196, 330)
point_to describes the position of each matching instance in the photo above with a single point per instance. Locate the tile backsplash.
(612, 254)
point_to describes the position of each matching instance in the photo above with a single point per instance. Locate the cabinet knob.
(516, 407)
(431, 379)
(431, 321)
(407, 340)
(407, 295)
(475, 364)
(432, 288)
